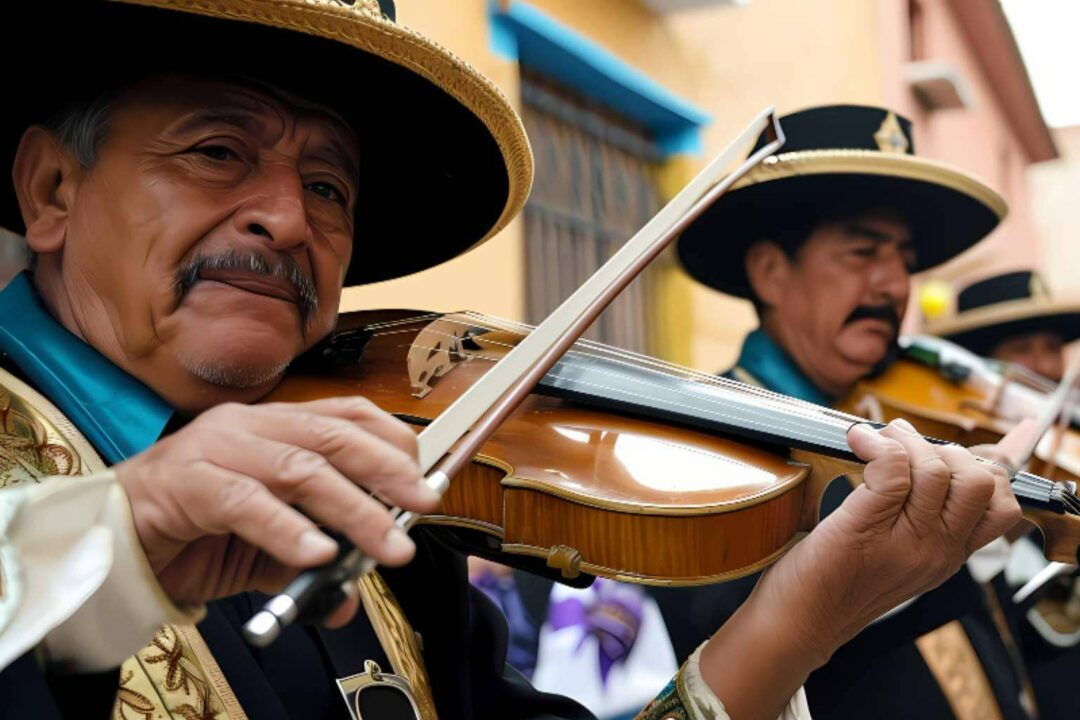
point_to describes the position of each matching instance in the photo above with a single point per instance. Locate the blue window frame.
(536, 40)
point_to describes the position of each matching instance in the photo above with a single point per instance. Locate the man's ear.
(44, 176)
(767, 269)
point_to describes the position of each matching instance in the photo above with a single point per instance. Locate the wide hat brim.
(445, 163)
(981, 329)
(947, 210)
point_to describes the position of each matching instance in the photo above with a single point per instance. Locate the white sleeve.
(74, 576)
(707, 706)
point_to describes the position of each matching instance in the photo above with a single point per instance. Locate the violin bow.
(1055, 409)
(456, 435)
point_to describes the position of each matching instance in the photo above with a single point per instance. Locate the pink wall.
(978, 139)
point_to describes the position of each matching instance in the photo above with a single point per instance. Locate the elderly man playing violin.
(823, 240)
(192, 224)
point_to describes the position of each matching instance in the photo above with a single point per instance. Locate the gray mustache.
(281, 267)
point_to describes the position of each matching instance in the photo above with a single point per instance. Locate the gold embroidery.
(952, 660)
(398, 640)
(128, 699)
(1037, 288)
(30, 447)
(890, 136)
(172, 678)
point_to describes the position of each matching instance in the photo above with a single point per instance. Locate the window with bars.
(595, 187)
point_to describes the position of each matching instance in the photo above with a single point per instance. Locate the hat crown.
(1006, 287)
(846, 127)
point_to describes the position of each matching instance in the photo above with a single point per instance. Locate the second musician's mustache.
(876, 312)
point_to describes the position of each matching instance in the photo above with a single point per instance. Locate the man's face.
(836, 306)
(207, 246)
(1040, 352)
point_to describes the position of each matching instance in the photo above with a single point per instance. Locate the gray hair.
(83, 127)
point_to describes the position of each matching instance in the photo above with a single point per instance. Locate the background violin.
(952, 394)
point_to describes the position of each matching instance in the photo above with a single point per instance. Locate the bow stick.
(1054, 410)
(474, 416)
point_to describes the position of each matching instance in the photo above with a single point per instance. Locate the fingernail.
(316, 544)
(905, 425)
(865, 429)
(397, 542)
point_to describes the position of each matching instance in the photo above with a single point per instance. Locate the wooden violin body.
(584, 489)
(618, 465)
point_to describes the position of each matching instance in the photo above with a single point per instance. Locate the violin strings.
(830, 417)
(679, 370)
(810, 411)
(611, 388)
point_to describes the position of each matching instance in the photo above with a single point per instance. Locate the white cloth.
(706, 706)
(75, 575)
(569, 666)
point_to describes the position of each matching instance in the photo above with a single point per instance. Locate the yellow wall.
(489, 279)
(730, 61)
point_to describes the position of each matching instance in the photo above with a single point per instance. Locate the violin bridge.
(437, 349)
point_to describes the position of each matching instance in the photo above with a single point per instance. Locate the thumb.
(887, 473)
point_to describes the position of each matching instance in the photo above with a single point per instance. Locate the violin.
(618, 464)
(953, 394)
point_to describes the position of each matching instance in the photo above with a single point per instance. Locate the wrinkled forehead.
(247, 103)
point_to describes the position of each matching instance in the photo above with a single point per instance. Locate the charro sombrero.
(839, 160)
(445, 161)
(1004, 306)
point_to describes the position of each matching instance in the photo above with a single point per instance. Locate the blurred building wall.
(732, 61)
(983, 138)
(12, 256)
(1055, 189)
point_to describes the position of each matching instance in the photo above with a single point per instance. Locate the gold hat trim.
(870, 162)
(1001, 313)
(361, 27)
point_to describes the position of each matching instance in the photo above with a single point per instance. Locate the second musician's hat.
(445, 163)
(839, 160)
(1004, 306)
